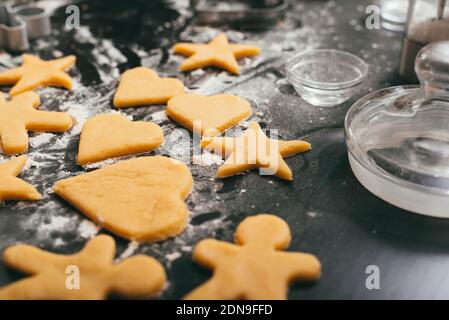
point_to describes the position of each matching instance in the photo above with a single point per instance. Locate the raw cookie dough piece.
(88, 274)
(254, 150)
(217, 53)
(140, 199)
(142, 86)
(256, 267)
(12, 188)
(113, 135)
(34, 73)
(20, 115)
(214, 114)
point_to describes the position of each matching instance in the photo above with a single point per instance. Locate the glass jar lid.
(398, 138)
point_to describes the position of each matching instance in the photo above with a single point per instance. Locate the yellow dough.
(254, 150)
(217, 53)
(215, 114)
(140, 199)
(20, 115)
(34, 73)
(256, 267)
(113, 135)
(142, 86)
(54, 276)
(12, 188)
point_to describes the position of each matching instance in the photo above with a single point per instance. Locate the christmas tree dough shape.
(140, 199)
(35, 73)
(113, 135)
(214, 114)
(256, 267)
(12, 188)
(254, 150)
(53, 276)
(218, 53)
(19, 116)
(142, 86)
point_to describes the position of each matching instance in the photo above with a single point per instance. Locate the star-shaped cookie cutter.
(20, 23)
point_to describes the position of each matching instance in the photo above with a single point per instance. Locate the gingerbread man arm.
(138, 277)
(301, 266)
(48, 121)
(27, 259)
(207, 252)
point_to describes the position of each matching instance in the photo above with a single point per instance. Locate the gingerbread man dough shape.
(142, 86)
(12, 188)
(94, 274)
(34, 73)
(254, 150)
(140, 199)
(113, 135)
(217, 53)
(256, 267)
(20, 115)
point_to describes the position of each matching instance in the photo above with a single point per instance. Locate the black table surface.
(330, 214)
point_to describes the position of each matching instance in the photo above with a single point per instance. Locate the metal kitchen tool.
(259, 13)
(20, 23)
(398, 138)
(427, 22)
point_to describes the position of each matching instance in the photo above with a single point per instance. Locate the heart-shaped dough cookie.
(142, 86)
(113, 135)
(208, 115)
(140, 199)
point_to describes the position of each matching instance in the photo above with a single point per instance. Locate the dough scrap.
(142, 86)
(254, 150)
(34, 73)
(255, 268)
(12, 188)
(140, 199)
(113, 135)
(218, 53)
(52, 276)
(214, 113)
(20, 115)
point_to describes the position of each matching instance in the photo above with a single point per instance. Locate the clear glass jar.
(398, 138)
(427, 22)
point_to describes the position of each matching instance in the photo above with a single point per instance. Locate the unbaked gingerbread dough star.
(13, 188)
(256, 267)
(34, 73)
(254, 150)
(88, 274)
(217, 53)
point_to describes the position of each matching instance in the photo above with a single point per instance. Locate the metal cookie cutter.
(20, 23)
(258, 13)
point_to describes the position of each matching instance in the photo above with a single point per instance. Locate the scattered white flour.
(207, 158)
(41, 139)
(159, 116)
(173, 256)
(129, 251)
(87, 229)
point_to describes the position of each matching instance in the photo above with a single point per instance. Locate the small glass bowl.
(326, 78)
